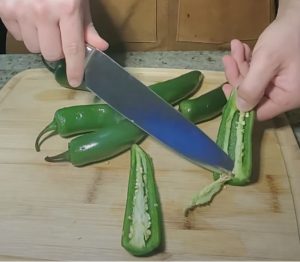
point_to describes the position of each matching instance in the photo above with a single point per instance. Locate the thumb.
(252, 88)
(92, 37)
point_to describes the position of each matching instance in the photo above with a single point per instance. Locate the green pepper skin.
(179, 88)
(81, 119)
(235, 138)
(142, 184)
(100, 145)
(204, 107)
(71, 120)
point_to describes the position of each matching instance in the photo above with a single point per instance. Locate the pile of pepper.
(102, 133)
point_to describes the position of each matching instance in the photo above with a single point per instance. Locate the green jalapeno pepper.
(100, 145)
(204, 107)
(235, 138)
(80, 119)
(179, 88)
(142, 225)
(59, 71)
(74, 120)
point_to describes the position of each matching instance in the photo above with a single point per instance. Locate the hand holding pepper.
(273, 81)
(56, 28)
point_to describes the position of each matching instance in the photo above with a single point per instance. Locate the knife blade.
(111, 82)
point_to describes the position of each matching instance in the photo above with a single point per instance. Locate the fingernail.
(106, 44)
(243, 105)
(74, 82)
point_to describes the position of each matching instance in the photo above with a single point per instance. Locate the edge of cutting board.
(291, 156)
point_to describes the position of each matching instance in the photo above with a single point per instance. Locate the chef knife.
(136, 102)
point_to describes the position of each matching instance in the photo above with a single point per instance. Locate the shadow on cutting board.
(258, 133)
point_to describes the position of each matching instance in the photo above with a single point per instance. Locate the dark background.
(2, 37)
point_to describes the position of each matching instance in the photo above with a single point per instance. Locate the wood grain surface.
(54, 211)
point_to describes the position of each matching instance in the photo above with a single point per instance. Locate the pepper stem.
(51, 127)
(62, 157)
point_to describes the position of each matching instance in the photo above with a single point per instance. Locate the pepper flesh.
(80, 119)
(142, 225)
(235, 138)
(204, 107)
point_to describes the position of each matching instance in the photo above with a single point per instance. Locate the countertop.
(11, 64)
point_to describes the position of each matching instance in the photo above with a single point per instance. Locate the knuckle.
(7, 10)
(32, 47)
(41, 9)
(52, 56)
(249, 95)
(70, 7)
(72, 49)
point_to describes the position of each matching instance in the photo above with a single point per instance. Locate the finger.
(92, 37)
(231, 70)
(252, 89)
(247, 53)
(275, 101)
(285, 99)
(268, 109)
(237, 50)
(72, 37)
(227, 88)
(13, 27)
(238, 53)
(30, 36)
(50, 41)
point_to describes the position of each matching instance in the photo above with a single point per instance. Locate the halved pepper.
(235, 138)
(142, 225)
(74, 120)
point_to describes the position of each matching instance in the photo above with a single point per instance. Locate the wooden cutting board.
(55, 211)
